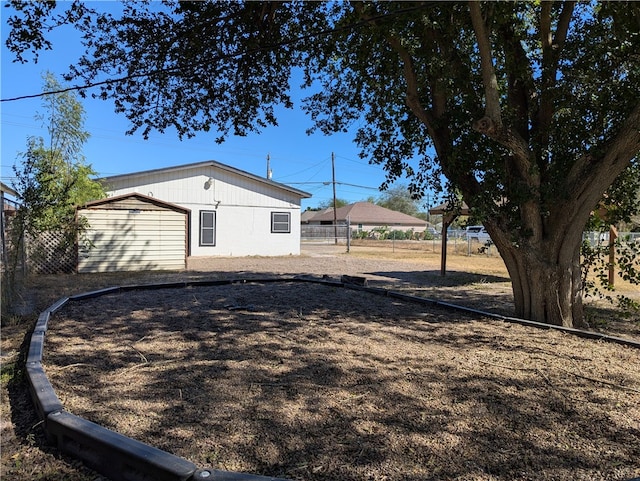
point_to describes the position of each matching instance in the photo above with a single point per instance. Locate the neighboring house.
(365, 216)
(5, 189)
(232, 212)
(307, 215)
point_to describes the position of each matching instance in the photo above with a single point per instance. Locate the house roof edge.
(209, 163)
(146, 198)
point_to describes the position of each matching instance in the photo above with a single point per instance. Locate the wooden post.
(613, 235)
(335, 214)
(443, 250)
(447, 219)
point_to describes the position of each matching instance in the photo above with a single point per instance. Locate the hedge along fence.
(124, 459)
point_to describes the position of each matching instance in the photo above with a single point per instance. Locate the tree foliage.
(398, 198)
(530, 109)
(328, 204)
(619, 207)
(52, 177)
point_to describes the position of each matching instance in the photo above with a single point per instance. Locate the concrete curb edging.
(113, 454)
(124, 459)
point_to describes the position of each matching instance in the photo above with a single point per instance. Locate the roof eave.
(145, 198)
(209, 163)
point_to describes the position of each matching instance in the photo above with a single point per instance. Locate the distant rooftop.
(367, 213)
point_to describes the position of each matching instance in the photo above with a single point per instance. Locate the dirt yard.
(310, 382)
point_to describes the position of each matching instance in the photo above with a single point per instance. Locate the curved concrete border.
(124, 459)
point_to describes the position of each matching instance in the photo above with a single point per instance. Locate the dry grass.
(320, 383)
(313, 383)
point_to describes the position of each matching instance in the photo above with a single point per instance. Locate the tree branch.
(563, 27)
(519, 78)
(440, 134)
(618, 154)
(589, 178)
(545, 26)
(552, 45)
(551, 53)
(413, 90)
(492, 122)
(411, 78)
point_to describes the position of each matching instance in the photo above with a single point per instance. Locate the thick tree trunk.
(547, 285)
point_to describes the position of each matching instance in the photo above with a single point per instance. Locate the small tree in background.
(328, 204)
(399, 198)
(52, 178)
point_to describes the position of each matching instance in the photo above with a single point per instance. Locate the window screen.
(281, 222)
(207, 228)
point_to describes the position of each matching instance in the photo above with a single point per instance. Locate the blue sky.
(299, 160)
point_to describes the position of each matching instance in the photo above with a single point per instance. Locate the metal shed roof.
(110, 201)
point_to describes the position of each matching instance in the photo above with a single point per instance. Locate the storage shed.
(133, 232)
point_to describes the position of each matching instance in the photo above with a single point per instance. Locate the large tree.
(530, 109)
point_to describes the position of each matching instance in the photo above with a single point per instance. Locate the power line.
(358, 161)
(329, 182)
(359, 186)
(317, 164)
(220, 57)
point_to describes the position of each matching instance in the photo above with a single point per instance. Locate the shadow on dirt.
(315, 382)
(433, 278)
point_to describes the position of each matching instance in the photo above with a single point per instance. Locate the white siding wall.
(127, 241)
(243, 209)
(244, 231)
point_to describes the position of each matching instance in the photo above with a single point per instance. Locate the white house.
(231, 212)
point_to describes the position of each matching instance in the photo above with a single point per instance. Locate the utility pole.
(335, 214)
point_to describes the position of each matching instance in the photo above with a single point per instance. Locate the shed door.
(133, 240)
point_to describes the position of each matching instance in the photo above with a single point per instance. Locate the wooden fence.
(49, 254)
(45, 254)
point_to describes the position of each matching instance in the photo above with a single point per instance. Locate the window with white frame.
(281, 222)
(207, 228)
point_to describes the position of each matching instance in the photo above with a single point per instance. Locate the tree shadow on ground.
(321, 383)
(433, 278)
(28, 439)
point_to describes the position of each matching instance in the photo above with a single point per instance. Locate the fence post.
(613, 235)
